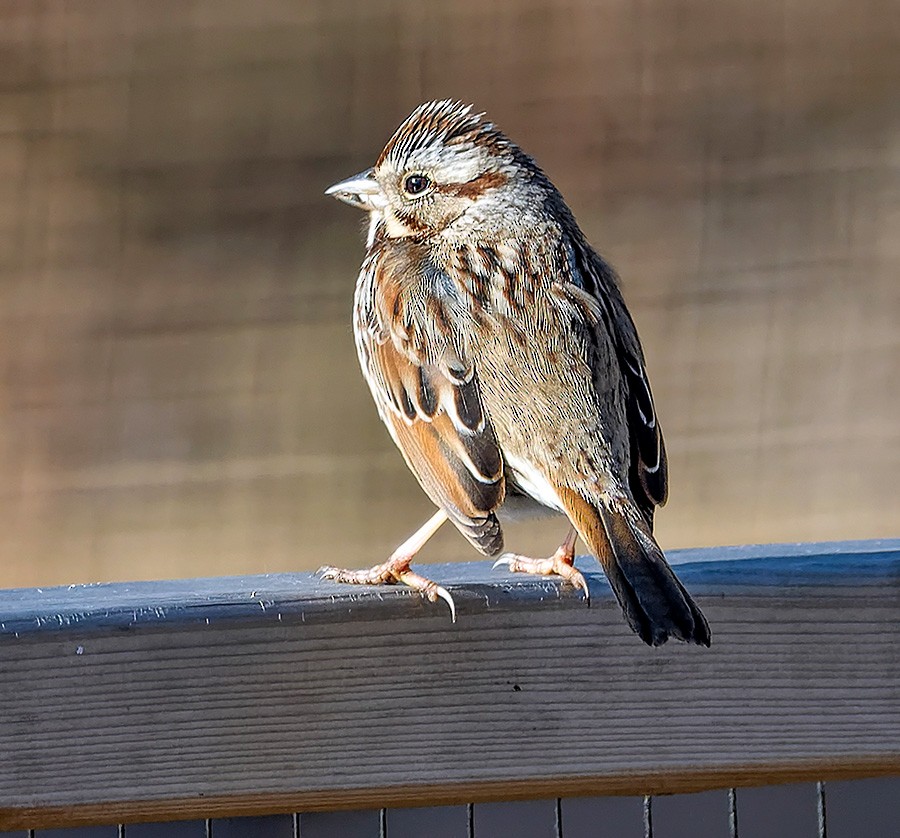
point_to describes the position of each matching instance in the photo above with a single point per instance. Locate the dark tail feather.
(654, 601)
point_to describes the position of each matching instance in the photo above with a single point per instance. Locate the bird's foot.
(395, 570)
(561, 563)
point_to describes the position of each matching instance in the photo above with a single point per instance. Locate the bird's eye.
(416, 184)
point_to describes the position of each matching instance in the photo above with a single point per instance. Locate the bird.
(506, 367)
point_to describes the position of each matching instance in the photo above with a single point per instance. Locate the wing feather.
(412, 347)
(595, 289)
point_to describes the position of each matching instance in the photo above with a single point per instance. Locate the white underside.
(532, 482)
(517, 507)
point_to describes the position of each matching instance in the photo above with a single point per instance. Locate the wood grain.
(213, 698)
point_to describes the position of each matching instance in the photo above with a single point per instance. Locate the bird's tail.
(655, 603)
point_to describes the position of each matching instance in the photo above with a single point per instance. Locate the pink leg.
(397, 567)
(561, 563)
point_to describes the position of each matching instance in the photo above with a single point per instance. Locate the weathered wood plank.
(603, 817)
(281, 693)
(522, 819)
(702, 815)
(271, 826)
(277, 597)
(433, 821)
(175, 829)
(354, 824)
(78, 832)
(863, 808)
(787, 811)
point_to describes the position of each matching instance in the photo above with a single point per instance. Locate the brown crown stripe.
(474, 188)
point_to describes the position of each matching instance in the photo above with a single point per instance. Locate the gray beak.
(360, 191)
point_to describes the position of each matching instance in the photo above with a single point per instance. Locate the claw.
(430, 590)
(444, 594)
(580, 583)
(391, 572)
(560, 564)
(506, 558)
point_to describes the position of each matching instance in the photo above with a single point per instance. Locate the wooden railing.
(273, 694)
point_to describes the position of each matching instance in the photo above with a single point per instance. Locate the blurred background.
(179, 391)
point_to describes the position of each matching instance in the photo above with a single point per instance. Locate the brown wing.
(602, 301)
(412, 348)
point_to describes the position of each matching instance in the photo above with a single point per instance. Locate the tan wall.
(178, 386)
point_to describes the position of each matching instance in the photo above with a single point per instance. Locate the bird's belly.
(519, 507)
(531, 483)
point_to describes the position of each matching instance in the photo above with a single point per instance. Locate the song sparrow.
(505, 365)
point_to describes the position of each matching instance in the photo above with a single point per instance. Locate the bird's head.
(443, 163)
